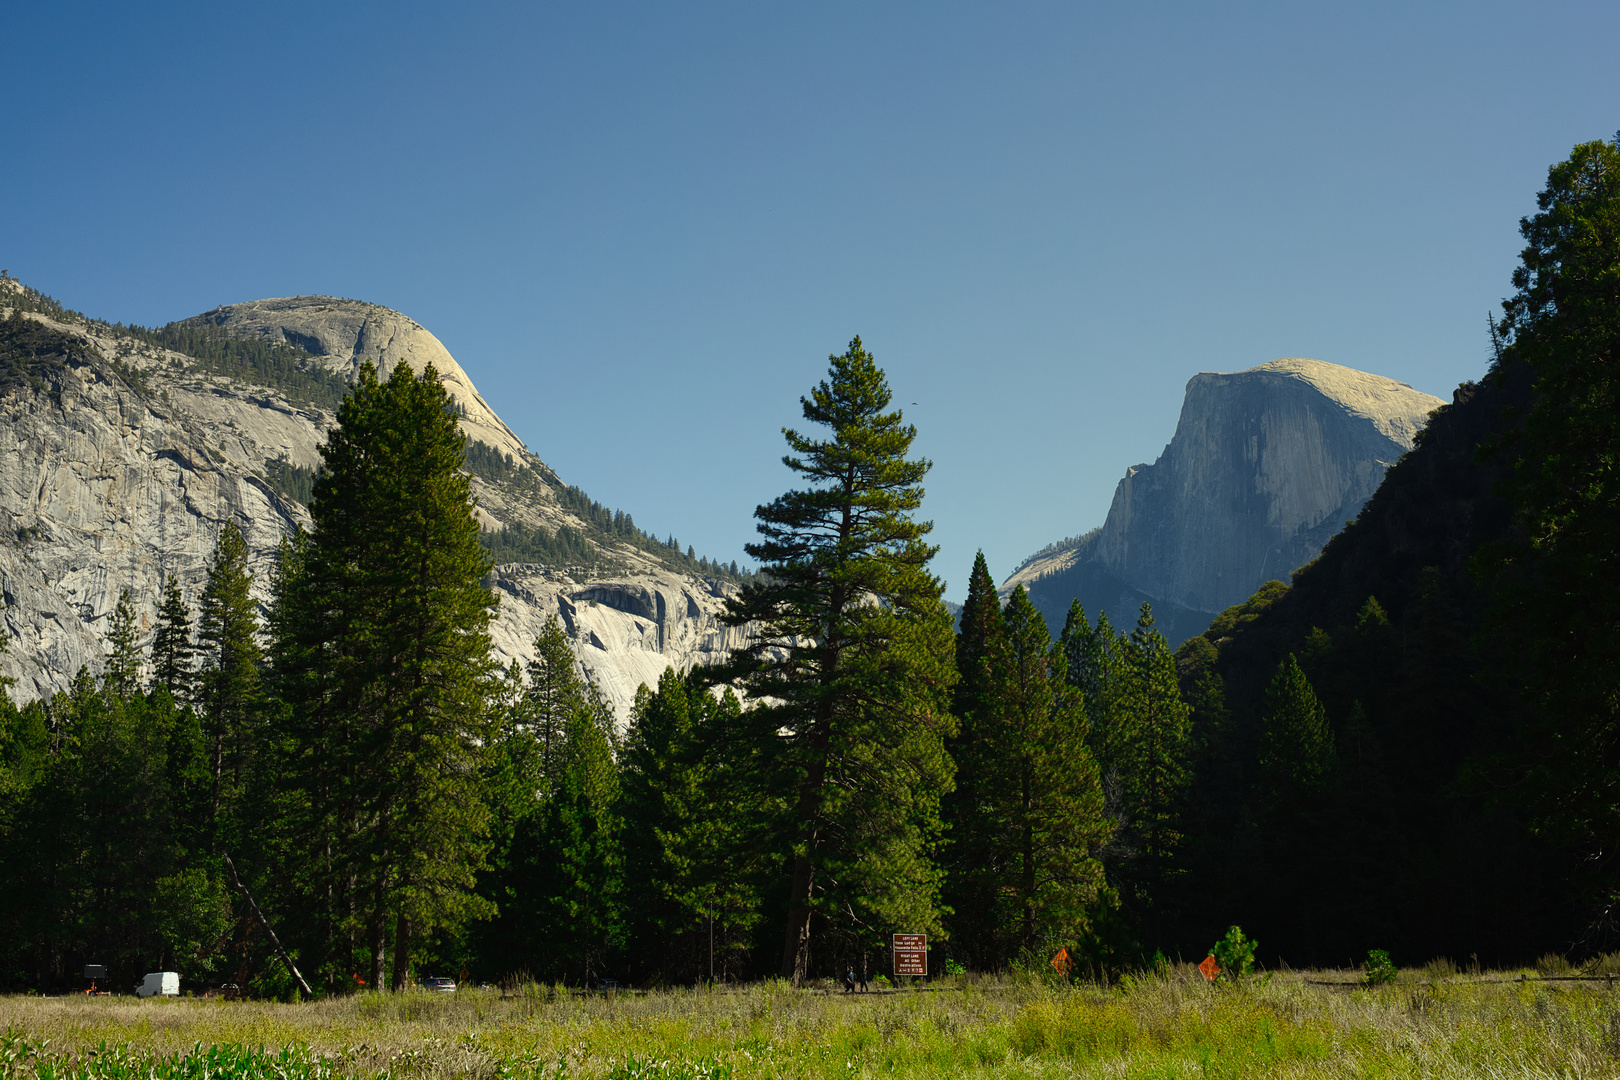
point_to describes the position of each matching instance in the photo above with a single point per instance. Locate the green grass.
(1169, 1025)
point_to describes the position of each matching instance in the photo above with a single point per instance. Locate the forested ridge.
(1410, 747)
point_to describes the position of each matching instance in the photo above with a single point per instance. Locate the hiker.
(863, 975)
(849, 980)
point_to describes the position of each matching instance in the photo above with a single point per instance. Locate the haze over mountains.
(1265, 466)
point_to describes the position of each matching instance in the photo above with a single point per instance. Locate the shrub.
(1234, 953)
(1440, 966)
(1554, 964)
(1379, 968)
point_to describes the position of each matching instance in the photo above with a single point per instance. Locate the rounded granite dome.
(347, 333)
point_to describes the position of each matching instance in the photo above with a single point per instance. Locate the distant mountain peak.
(1265, 465)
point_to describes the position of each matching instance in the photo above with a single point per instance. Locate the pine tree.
(695, 881)
(1094, 656)
(854, 646)
(1043, 784)
(1558, 592)
(555, 695)
(973, 882)
(228, 685)
(172, 649)
(123, 670)
(1154, 746)
(1145, 749)
(383, 662)
(553, 782)
(1296, 748)
(580, 835)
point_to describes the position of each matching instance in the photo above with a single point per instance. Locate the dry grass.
(1426, 1024)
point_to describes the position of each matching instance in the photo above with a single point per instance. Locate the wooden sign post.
(911, 954)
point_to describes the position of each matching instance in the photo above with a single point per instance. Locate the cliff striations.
(1265, 465)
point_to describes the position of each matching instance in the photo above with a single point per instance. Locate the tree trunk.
(402, 951)
(292, 968)
(379, 945)
(796, 940)
(796, 943)
(1028, 845)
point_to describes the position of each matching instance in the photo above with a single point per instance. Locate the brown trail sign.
(911, 954)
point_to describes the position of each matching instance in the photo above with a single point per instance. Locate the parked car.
(440, 985)
(159, 983)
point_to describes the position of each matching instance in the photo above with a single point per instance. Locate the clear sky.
(642, 228)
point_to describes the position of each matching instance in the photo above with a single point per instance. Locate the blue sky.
(642, 228)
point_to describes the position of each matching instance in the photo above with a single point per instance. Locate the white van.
(165, 983)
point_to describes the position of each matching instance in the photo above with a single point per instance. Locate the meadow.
(1426, 1023)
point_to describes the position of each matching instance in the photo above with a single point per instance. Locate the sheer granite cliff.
(1265, 465)
(121, 462)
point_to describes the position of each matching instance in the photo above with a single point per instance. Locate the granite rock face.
(104, 489)
(626, 630)
(1265, 466)
(347, 333)
(121, 476)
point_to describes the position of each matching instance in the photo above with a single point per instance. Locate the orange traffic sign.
(1210, 968)
(1063, 963)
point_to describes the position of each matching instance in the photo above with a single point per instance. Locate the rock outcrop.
(120, 468)
(346, 333)
(627, 630)
(1265, 465)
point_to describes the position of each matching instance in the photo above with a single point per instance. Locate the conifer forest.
(1412, 746)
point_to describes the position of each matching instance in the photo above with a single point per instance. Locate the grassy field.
(1425, 1024)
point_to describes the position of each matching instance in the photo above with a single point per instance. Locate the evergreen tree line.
(394, 803)
(1409, 748)
(1412, 746)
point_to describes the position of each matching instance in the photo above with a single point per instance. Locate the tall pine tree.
(1043, 785)
(383, 656)
(973, 881)
(1559, 590)
(228, 684)
(854, 646)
